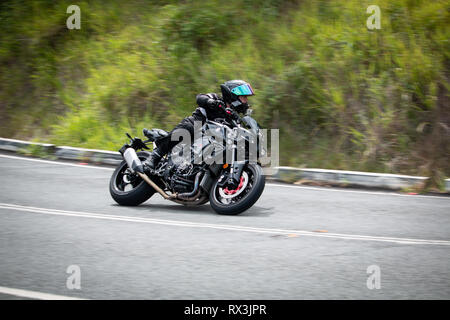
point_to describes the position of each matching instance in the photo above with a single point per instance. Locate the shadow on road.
(178, 208)
(254, 211)
(257, 211)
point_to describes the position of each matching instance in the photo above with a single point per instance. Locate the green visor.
(243, 90)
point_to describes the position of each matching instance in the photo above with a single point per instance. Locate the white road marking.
(267, 184)
(363, 192)
(56, 162)
(35, 294)
(220, 226)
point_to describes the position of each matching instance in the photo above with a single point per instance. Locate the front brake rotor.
(227, 193)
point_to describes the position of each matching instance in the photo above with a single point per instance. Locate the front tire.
(128, 189)
(230, 204)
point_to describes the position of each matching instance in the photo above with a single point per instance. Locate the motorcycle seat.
(155, 134)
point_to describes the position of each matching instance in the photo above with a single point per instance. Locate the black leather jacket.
(212, 111)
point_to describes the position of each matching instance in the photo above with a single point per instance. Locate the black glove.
(232, 114)
(138, 144)
(213, 103)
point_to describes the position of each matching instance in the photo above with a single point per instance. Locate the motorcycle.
(231, 186)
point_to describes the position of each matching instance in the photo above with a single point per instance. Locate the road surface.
(60, 230)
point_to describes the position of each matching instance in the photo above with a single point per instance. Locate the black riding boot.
(154, 159)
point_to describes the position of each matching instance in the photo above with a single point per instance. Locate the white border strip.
(220, 226)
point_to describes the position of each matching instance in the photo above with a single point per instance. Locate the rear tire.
(255, 174)
(140, 192)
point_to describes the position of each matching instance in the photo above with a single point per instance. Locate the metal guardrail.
(284, 174)
(349, 178)
(62, 152)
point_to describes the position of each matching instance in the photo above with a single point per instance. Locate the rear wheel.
(233, 202)
(127, 188)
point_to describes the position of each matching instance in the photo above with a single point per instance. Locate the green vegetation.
(343, 96)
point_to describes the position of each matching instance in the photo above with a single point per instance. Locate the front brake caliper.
(223, 179)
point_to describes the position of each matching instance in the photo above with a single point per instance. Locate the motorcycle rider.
(211, 106)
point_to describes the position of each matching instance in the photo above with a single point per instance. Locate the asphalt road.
(295, 243)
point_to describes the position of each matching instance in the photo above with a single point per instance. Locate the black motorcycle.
(193, 174)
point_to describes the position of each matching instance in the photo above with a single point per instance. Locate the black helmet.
(234, 88)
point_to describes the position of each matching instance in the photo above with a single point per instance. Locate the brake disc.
(238, 191)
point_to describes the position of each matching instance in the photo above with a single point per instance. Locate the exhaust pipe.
(194, 194)
(156, 187)
(135, 164)
(133, 161)
(190, 203)
(180, 198)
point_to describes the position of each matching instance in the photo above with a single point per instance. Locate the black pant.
(166, 144)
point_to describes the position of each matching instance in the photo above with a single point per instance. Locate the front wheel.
(233, 202)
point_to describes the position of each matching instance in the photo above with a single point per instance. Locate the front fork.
(235, 173)
(232, 178)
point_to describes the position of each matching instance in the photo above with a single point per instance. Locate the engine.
(180, 172)
(182, 177)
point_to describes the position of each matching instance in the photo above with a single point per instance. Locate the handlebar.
(136, 143)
